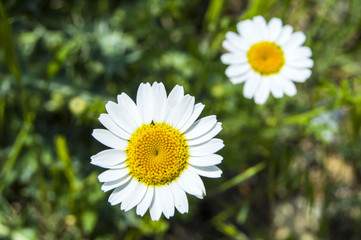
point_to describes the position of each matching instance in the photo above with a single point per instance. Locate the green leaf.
(88, 220)
(304, 118)
(60, 57)
(4, 231)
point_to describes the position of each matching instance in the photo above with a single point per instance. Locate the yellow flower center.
(266, 58)
(157, 154)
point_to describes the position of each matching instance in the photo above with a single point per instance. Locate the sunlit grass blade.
(64, 155)
(213, 13)
(221, 224)
(14, 153)
(2, 114)
(6, 43)
(250, 172)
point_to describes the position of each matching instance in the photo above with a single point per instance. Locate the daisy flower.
(267, 57)
(158, 150)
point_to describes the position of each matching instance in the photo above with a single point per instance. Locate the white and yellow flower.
(268, 57)
(158, 150)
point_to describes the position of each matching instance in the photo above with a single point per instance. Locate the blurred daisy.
(158, 150)
(267, 57)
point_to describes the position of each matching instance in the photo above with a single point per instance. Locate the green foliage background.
(291, 167)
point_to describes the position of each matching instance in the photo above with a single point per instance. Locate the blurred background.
(292, 167)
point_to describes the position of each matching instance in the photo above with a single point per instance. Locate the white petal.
(145, 102)
(108, 158)
(242, 25)
(237, 41)
(256, 34)
(160, 95)
(296, 40)
(181, 112)
(190, 182)
(120, 117)
(274, 29)
(134, 197)
(180, 197)
(298, 53)
(198, 108)
(234, 58)
(247, 29)
(300, 63)
(226, 44)
(208, 160)
(155, 209)
(296, 75)
(201, 127)
(118, 166)
(175, 96)
(206, 148)
(166, 200)
(285, 35)
(121, 193)
(242, 78)
(109, 139)
(251, 86)
(236, 70)
(207, 136)
(262, 92)
(109, 123)
(276, 87)
(128, 107)
(146, 201)
(116, 196)
(289, 87)
(113, 174)
(185, 112)
(116, 183)
(209, 171)
(261, 24)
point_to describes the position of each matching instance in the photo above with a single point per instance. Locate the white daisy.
(267, 57)
(158, 150)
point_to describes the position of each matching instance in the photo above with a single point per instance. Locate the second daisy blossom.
(267, 57)
(158, 150)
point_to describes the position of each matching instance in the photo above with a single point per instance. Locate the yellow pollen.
(157, 154)
(266, 58)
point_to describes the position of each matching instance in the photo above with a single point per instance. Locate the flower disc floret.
(266, 58)
(157, 154)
